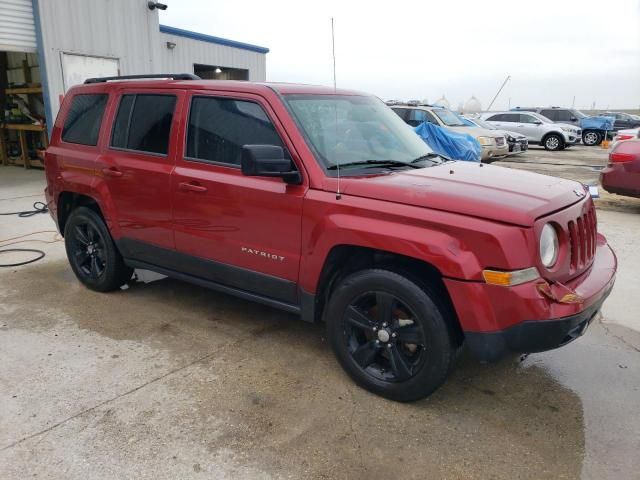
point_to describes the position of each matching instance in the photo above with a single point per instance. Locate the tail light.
(624, 136)
(617, 157)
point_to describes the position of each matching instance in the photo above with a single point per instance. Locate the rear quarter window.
(82, 124)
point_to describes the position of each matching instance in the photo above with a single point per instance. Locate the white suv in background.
(537, 128)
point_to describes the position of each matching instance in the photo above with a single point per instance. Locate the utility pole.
(499, 90)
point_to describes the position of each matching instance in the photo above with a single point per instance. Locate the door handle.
(192, 187)
(112, 172)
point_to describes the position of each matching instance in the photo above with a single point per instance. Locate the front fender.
(457, 246)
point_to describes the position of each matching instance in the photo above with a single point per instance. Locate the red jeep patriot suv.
(324, 203)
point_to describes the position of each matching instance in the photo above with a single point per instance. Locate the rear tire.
(591, 138)
(389, 334)
(93, 256)
(553, 142)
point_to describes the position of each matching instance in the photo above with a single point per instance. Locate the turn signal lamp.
(509, 279)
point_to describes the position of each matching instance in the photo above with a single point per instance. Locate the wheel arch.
(69, 201)
(553, 132)
(344, 259)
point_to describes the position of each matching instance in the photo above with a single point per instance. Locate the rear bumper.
(496, 320)
(615, 179)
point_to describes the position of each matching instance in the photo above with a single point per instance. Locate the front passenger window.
(218, 129)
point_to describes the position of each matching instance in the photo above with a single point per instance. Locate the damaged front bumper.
(527, 318)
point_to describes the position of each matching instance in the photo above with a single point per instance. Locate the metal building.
(78, 39)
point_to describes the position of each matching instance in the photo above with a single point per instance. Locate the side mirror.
(537, 122)
(268, 161)
(574, 119)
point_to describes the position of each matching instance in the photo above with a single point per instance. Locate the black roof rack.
(173, 76)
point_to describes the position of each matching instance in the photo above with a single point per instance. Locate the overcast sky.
(553, 50)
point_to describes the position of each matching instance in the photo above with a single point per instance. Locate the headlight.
(548, 246)
(510, 138)
(486, 141)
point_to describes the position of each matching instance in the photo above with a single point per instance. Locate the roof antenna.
(335, 107)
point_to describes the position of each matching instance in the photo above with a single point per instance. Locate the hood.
(495, 193)
(476, 131)
(515, 135)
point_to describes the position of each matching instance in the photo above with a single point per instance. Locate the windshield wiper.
(374, 164)
(430, 156)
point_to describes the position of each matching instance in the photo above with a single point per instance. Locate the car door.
(507, 121)
(135, 168)
(531, 127)
(236, 230)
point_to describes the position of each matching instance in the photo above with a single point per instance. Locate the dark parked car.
(623, 120)
(622, 175)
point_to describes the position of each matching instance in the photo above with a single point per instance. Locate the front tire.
(553, 142)
(389, 334)
(91, 252)
(591, 138)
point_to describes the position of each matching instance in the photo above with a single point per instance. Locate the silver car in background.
(537, 128)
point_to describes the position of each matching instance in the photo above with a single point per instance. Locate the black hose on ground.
(38, 207)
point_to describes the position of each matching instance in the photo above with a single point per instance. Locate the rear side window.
(501, 117)
(219, 128)
(83, 121)
(143, 123)
(552, 115)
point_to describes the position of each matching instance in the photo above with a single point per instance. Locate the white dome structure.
(472, 105)
(442, 101)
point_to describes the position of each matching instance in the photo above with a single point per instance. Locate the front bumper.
(496, 320)
(492, 151)
(533, 335)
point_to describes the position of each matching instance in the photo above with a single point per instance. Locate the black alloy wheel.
(92, 253)
(390, 333)
(88, 250)
(383, 337)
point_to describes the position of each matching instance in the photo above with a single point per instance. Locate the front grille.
(499, 141)
(582, 240)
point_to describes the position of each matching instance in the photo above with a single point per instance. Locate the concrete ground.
(169, 380)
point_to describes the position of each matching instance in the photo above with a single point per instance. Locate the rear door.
(240, 231)
(135, 168)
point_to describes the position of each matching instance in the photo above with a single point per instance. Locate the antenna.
(335, 107)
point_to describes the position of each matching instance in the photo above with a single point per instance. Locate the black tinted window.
(219, 128)
(550, 114)
(143, 123)
(504, 117)
(83, 121)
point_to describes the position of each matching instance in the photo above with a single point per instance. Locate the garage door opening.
(218, 72)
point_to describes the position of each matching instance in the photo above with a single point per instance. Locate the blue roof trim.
(211, 39)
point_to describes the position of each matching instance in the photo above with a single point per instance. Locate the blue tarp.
(597, 123)
(454, 145)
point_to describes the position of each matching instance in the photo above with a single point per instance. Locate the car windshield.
(540, 117)
(449, 118)
(578, 114)
(356, 130)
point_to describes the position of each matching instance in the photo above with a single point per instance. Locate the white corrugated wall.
(125, 30)
(188, 51)
(17, 30)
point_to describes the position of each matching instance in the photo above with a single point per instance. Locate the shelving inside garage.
(23, 131)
